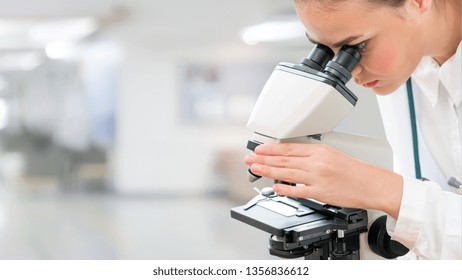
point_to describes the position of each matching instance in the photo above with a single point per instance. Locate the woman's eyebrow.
(339, 44)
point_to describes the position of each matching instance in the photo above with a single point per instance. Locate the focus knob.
(380, 242)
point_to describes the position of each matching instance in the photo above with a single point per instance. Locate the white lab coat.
(430, 217)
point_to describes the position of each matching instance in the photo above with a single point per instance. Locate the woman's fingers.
(283, 174)
(294, 191)
(277, 161)
(287, 149)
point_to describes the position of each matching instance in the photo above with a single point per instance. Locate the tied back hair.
(331, 4)
(390, 3)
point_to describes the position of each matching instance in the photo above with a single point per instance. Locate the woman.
(399, 39)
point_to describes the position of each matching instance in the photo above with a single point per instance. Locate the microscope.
(303, 103)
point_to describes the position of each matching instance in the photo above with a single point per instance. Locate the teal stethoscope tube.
(415, 141)
(452, 181)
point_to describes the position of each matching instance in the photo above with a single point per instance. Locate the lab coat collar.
(451, 76)
(427, 79)
(429, 74)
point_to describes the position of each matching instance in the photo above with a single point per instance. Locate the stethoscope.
(453, 182)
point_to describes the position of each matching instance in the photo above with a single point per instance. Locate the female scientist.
(411, 58)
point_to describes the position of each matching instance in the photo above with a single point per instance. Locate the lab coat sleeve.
(429, 221)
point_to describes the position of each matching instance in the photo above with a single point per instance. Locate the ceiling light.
(37, 33)
(66, 30)
(58, 50)
(272, 31)
(20, 60)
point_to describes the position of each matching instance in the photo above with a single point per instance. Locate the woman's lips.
(370, 84)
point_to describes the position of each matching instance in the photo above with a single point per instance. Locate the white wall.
(154, 151)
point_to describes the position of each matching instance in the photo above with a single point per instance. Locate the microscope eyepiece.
(318, 57)
(343, 63)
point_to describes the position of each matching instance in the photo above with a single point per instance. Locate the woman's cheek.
(383, 62)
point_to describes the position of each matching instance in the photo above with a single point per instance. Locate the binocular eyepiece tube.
(318, 57)
(340, 66)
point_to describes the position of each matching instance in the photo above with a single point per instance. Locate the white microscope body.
(303, 103)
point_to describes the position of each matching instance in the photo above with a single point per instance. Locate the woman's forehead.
(332, 26)
(321, 24)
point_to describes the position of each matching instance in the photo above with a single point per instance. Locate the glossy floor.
(107, 226)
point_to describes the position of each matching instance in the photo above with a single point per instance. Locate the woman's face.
(393, 41)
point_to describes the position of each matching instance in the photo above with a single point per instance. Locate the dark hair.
(439, 5)
(390, 3)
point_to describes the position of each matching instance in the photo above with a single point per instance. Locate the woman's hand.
(328, 176)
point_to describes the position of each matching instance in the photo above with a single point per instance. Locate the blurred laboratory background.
(123, 124)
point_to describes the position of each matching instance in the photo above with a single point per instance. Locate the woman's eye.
(362, 46)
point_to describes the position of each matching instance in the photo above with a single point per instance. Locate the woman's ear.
(423, 5)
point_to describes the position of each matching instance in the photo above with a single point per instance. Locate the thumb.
(293, 191)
